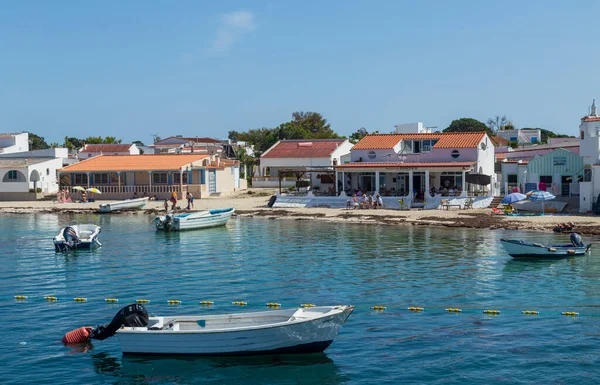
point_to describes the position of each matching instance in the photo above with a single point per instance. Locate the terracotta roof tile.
(500, 156)
(404, 165)
(445, 140)
(590, 119)
(134, 163)
(106, 148)
(305, 148)
(498, 141)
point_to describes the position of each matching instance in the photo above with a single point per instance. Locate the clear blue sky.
(201, 68)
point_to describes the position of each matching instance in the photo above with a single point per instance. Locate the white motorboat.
(298, 330)
(522, 249)
(127, 204)
(78, 236)
(193, 220)
(551, 206)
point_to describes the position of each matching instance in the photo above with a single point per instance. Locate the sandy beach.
(253, 203)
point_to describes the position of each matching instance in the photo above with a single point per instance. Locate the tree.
(355, 137)
(468, 125)
(498, 123)
(37, 142)
(548, 134)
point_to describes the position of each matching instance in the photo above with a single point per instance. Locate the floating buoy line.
(379, 308)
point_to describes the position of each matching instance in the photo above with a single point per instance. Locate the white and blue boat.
(521, 249)
(84, 236)
(193, 220)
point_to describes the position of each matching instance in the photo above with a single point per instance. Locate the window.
(372, 154)
(12, 175)
(101, 178)
(177, 178)
(451, 179)
(407, 146)
(47, 171)
(546, 179)
(159, 178)
(202, 176)
(511, 178)
(513, 139)
(587, 175)
(417, 147)
(455, 154)
(533, 139)
(426, 146)
(81, 179)
(582, 135)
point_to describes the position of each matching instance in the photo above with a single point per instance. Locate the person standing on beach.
(190, 199)
(174, 200)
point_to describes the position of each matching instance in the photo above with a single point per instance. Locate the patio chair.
(468, 203)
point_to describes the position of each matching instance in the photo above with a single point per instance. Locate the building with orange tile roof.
(420, 163)
(120, 177)
(92, 150)
(312, 159)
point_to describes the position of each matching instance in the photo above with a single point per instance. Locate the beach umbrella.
(541, 196)
(78, 188)
(512, 198)
(94, 190)
(478, 179)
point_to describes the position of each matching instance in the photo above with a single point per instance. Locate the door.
(565, 183)
(417, 180)
(212, 181)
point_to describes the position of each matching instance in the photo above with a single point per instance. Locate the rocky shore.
(254, 206)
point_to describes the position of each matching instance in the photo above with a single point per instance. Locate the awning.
(479, 179)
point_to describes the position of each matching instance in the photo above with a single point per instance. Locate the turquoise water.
(293, 262)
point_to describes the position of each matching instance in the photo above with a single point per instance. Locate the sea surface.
(293, 262)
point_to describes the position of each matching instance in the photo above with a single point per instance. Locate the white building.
(589, 149)
(10, 143)
(412, 128)
(398, 164)
(315, 158)
(92, 150)
(521, 136)
(28, 178)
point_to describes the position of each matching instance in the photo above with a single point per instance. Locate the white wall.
(48, 179)
(14, 143)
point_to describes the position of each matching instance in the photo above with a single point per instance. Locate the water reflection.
(280, 369)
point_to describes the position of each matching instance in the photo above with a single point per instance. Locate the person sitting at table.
(84, 197)
(432, 191)
(378, 201)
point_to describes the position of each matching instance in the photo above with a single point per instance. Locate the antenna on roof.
(362, 131)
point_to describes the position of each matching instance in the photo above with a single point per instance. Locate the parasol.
(541, 196)
(78, 188)
(478, 179)
(94, 190)
(512, 198)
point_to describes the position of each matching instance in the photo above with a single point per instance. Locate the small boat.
(77, 237)
(522, 249)
(127, 204)
(552, 206)
(295, 330)
(194, 220)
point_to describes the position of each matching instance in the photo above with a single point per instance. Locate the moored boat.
(296, 330)
(193, 220)
(522, 249)
(127, 204)
(78, 236)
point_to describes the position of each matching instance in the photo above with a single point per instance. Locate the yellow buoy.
(111, 300)
(80, 299)
(207, 303)
(454, 310)
(51, 298)
(174, 302)
(414, 308)
(142, 301)
(273, 304)
(551, 249)
(20, 297)
(533, 312)
(378, 307)
(570, 313)
(240, 303)
(493, 312)
(307, 305)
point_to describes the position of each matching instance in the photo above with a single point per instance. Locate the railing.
(139, 189)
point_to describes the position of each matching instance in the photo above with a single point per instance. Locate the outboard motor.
(134, 315)
(576, 240)
(71, 237)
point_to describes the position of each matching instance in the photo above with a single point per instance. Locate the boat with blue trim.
(193, 220)
(521, 249)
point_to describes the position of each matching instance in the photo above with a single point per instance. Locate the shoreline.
(255, 205)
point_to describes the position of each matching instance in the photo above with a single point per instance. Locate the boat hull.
(193, 221)
(552, 206)
(520, 249)
(88, 238)
(128, 204)
(299, 336)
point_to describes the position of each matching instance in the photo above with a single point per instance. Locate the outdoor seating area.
(446, 204)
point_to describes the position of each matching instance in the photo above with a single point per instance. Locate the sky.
(134, 69)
